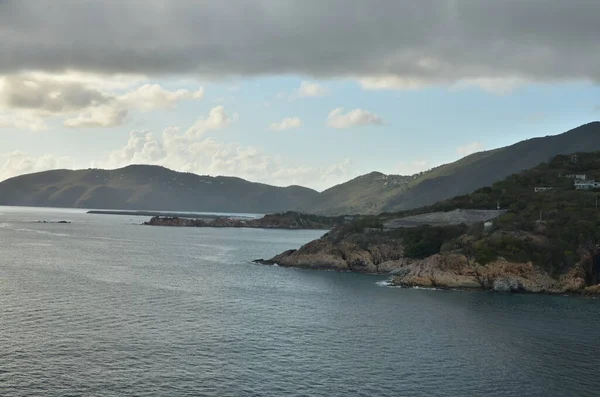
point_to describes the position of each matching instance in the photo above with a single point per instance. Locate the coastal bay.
(108, 307)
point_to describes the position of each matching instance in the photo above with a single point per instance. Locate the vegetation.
(376, 193)
(146, 187)
(550, 228)
(421, 242)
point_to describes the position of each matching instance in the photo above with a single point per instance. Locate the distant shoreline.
(165, 214)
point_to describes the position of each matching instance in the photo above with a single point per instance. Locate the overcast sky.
(289, 92)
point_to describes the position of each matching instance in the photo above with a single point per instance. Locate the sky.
(289, 91)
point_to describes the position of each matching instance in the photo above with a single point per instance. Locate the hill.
(375, 193)
(544, 238)
(366, 194)
(146, 187)
(143, 187)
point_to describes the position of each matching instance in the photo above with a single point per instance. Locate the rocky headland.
(377, 251)
(287, 220)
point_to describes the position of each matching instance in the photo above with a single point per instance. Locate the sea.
(104, 306)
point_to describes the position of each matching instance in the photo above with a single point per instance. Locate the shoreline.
(285, 221)
(197, 215)
(591, 292)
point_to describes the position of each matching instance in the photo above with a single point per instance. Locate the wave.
(388, 284)
(44, 232)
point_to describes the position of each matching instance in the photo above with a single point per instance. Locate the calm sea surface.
(105, 307)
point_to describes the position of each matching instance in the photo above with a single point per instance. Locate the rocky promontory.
(287, 220)
(536, 231)
(380, 252)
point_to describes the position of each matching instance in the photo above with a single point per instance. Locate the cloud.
(152, 96)
(357, 117)
(18, 163)
(47, 96)
(22, 121)
(430, 41)
(99, 116)
(200, 154)
(310, 89)
(470, 148)
(391, 82)
(287, 123)
(492, 85)
(412, 167)
(82, 103)
(217, 119)
(497, 86)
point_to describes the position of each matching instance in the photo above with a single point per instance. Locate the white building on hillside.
(542, 189)
(586, 185)
(581, 177)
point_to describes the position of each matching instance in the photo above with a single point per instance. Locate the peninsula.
(185, 215)
(287, 220)
(536, 231)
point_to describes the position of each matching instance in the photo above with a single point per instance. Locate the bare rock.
(594, 291)
(444, 271)
(506, 284)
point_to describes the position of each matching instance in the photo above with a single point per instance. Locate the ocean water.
(105, 307)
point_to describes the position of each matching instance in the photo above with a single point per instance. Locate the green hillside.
(366, 194)
(144, 187)
(548, 227)
(372, 194)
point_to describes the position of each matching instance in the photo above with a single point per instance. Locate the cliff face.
(455, 271)
(385, 255)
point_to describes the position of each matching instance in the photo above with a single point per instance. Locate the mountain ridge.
(153, 187)
(462, 176)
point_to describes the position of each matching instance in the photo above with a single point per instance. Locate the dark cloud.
(425, 40)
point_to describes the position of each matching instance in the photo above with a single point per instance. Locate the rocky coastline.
(380, 254)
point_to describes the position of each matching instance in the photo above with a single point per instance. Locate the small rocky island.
(287, 220)
(513, 236)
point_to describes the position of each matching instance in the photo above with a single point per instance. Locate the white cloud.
(217, 119)
(391, 82)
(152, 96)
(179, 150)
(492, 85)
(99, 116)
(18, 163)
(357, 117)
(311, 89)
(287, 123)
(412, 167)
(470, 148)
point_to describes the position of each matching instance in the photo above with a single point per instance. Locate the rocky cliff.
(380, 253)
